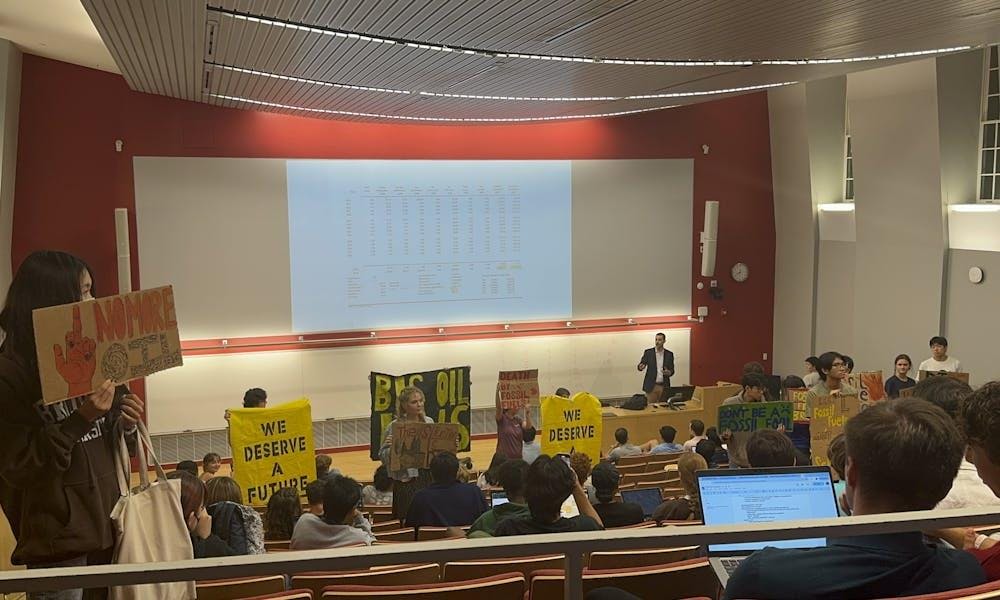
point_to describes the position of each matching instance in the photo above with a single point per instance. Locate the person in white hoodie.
(341, 524)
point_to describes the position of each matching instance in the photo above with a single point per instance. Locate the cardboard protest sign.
(572, 425)
(797, 396)
(414, 444)
(963, 377)
(751, 416)
(828, 417)
(447, 394)
(518, 389)
(907, 392)
(870, 386)
(272, 449)
(118, 338)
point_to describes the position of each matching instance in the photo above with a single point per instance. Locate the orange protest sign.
(119, 338)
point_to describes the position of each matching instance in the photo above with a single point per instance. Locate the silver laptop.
(738, 496)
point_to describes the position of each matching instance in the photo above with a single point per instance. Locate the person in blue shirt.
(446, 502)
(667, 433)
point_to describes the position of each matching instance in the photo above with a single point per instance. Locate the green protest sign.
(752, 416)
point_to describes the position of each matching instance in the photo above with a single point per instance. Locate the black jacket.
(649, 359)
(57, 471)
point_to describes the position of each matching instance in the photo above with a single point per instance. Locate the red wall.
(69, 177)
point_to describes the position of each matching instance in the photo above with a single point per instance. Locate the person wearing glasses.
(832, 379)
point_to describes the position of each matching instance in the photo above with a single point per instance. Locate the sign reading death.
(118, 338)
(518, 389)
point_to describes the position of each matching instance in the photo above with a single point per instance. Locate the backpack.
(636, 402)
(239, 526)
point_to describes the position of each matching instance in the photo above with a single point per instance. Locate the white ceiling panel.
(283, 55)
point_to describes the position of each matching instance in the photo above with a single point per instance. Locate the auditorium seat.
(633, 478)
(506, 586)
(986, 590)
(643, 525)
(242, 587)
(631, 470)
(473, 569)
(689, 578)
(631, 461)
(406, 534)
(382, 576)
(382, 516)
(277, 545)
(426, 534)
(289, 595)
(628, 559)
(386, 526)
(661, 460)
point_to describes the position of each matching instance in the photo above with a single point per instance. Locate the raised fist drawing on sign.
(78, 365)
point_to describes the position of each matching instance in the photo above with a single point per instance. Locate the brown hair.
(688, 463)
(222, 489)
(906, 452)
(580, 463)
(192, 492)
(836, 452)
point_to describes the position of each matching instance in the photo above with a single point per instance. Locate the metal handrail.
(572, 545)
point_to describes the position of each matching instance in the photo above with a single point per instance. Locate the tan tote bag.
(149, 523)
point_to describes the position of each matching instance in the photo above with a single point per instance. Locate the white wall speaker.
(709, 238)
(124, 251)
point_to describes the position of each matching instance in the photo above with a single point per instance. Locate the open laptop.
(647, 498)
(738, 496)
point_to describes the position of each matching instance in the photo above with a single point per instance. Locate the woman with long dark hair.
(58, 483)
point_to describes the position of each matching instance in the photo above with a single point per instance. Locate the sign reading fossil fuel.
(447, 399)
(272, 449)
(119, 338)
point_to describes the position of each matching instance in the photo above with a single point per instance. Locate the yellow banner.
(572, 425)
(272, 449)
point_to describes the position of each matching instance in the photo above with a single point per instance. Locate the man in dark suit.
(658, 363)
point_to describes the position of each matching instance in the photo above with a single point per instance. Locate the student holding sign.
(833, 375)
(901, 380)
(408, 481)
(515, 392)
(58, 468)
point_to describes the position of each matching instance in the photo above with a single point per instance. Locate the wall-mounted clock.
(740, 272)
(976, 275)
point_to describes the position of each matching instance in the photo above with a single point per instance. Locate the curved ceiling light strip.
(733, 90)
(341, 33)
(350, 113)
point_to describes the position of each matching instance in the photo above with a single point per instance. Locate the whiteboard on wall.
(195, 396)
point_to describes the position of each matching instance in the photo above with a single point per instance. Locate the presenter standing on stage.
(658, 363)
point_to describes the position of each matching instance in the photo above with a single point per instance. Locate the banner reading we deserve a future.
(272, 449)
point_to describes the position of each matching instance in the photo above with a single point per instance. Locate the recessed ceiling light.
(350, 113)
(733, 90)
(344, 34)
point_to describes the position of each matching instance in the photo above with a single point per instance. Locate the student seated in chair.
(889, 449)
(605, 478)
(979, 417)
(770, 448)
(668, 434)
(696, 430)
(341, 524)
(512, 479)
(548, 484)
(314, 496)
(623, 448)
(446, 502)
